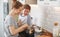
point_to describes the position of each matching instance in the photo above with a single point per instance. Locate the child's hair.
(56, 24)
(17, 5)
(26, 6)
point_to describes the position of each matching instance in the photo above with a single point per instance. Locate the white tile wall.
(49, 12)
(53, 15)
(37, 13)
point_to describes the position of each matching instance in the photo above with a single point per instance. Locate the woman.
(11, 28)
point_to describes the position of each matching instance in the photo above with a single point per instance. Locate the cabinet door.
(31, 1)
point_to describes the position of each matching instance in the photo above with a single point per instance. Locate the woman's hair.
(17, 5)
(26, 6)
(14, 0)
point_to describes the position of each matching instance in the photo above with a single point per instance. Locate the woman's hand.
(25, 26)
(14, 31)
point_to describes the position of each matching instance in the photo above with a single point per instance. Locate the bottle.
(56, 30)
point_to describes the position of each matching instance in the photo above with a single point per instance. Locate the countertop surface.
(45, 34)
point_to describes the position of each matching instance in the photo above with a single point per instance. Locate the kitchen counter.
(45, 34)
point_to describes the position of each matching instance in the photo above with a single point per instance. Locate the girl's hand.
(19, 23)
(30, 31)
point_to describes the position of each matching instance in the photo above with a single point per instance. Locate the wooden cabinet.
(44, 36)
(31, 1)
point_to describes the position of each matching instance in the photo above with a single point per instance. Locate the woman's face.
(18, 11)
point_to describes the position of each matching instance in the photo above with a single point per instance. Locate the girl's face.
(26, 11)
(18, 11)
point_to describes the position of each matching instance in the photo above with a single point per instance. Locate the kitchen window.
(41, 0)
(53, 0)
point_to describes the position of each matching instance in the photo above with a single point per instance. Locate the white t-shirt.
(9, 21)
(23, 19)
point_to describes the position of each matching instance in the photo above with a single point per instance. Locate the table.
(45, 34)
